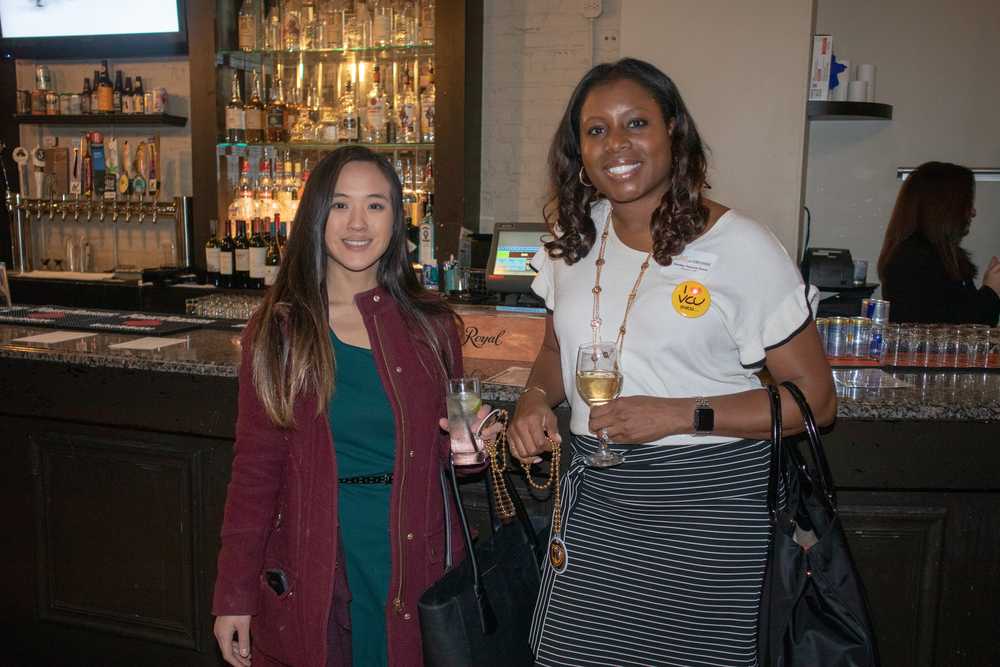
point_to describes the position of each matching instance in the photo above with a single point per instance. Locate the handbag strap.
(815, 446)
(443, 477)
(487, 618)
(774, 397)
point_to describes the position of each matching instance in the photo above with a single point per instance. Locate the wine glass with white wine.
(599, 381)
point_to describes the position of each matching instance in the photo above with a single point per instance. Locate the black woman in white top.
(665, 553)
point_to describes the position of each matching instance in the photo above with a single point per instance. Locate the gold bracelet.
(536, 388)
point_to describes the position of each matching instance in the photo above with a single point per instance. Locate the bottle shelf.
(324, 146)
(818, 110)
(375, 52)
(104, 119)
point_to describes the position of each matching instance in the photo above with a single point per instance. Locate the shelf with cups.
(148, 119)
(818, 110)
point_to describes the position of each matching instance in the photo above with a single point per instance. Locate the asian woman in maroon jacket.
(334, 521)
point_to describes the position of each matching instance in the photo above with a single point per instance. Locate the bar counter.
(933, 394)
(118, 462)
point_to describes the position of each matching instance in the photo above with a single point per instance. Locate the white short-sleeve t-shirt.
(674, 345)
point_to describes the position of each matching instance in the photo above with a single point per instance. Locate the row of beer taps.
(138, 207)
(86, 209)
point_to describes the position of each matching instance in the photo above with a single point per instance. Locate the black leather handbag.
(814, 611)
(479, 613)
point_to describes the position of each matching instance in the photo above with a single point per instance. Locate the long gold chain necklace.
(595, 322)
(557, 552)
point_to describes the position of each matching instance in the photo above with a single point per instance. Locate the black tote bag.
(479, 613)
(814, 611)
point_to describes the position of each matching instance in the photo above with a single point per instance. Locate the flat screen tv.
(92, 28)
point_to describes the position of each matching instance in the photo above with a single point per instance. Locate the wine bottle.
(227, 259)
(212, 254)
(241, 273)
(272, 260)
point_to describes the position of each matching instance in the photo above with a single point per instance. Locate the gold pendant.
(558, 558)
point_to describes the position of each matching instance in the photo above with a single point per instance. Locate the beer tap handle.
(21, 156)
(38, 170)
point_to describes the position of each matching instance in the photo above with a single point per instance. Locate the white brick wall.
(534, 52)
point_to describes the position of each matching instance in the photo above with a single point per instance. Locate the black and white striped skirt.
(666, 556)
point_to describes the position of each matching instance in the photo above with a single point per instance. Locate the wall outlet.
(592, 8)
(607, 37)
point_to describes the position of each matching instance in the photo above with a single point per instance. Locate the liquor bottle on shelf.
(285, 194)
(273, 40)
(296, 187)
(282, 237)
(331, 19)
(127, 96)
(427, 97)
(427, 22)
(116, 93)
(227, 258)
(138, 97)
(94, 101)
(105, 91)
(348, 114)
(258, 253)
(213, 251)
(310, 25)
(266, 205)
(242, 271)
(358, 26)
(276, 131)
(427, 175)
(408, 112)
(382, 23)
(293, 107)
(236, 122)
(375, 110)
(292, 24)
(246, 206)
(247, 24)
(254, 114)
(405, 29)
(426, 251)
(272, 258)
(85, 97)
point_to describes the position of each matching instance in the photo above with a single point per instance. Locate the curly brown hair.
(682, 214)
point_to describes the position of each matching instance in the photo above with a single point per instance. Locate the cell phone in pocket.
(277, 580)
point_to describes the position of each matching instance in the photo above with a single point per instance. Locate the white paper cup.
(857, 91)
(866, 72)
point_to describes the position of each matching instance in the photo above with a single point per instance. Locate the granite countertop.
(203, 352)
(934, 395)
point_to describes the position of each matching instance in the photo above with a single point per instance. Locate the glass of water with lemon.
(464, 401)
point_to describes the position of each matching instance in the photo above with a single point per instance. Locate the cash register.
(509, 273)
(832, 270)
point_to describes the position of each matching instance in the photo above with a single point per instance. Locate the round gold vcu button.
(376, 298)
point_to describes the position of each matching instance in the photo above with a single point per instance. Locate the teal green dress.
(364, 436)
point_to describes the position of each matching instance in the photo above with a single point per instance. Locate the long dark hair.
(935, 203)
(290, 338)
(681, 215)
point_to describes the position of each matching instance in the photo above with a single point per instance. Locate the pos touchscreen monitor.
(514, 244)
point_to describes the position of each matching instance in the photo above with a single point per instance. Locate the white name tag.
(693, 261)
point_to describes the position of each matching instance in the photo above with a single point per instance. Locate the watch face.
(704, 420)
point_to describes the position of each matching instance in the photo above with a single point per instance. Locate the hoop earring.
(583, 182)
